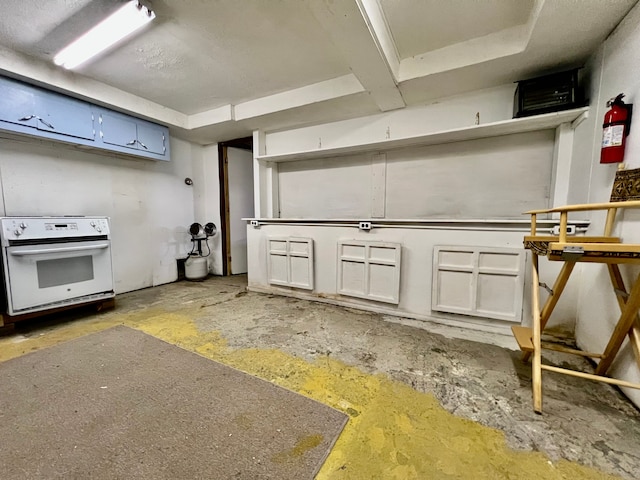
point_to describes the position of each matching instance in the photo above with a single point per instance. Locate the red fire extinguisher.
(617, 122)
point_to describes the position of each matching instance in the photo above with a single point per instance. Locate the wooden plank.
(611, 217)
(589, 376)
(557, 256)
(570, 240)
(561, 348)
(598, 247)
(536, 372)
(564, 218)
(558, 288)
(552, 301)
(621, 295)
(534, 223)
(523, 336)
(623, 326)
(634, 338)
(585, 207)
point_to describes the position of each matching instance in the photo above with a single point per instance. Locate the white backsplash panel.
(369, 270)
(479, 281)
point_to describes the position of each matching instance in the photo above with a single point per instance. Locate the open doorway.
(236, 201)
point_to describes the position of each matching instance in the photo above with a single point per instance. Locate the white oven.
(50, 262)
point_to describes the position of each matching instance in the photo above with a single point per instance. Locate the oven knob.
(93, 224)
(98, 229)
(23, 225)
(18, 233)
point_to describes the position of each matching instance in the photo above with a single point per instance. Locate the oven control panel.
(36, 228)
(61, 226)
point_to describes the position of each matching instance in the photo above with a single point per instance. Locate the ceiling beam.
(381, 34)
(298, 97)
(210, 117)
(353, 32)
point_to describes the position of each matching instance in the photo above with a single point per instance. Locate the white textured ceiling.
(425, 25)
(212, 69)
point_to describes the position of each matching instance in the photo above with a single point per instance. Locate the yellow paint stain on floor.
(394, 432)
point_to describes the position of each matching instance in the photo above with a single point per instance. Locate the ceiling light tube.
(126, 20)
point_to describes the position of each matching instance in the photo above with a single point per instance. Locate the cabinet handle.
(27, 118)
(46, 123)
(142, 145)
(132, 142)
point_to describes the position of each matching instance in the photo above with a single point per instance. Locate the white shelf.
(505, 127)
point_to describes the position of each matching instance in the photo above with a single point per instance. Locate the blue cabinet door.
(17, 103)
(118, 130)
(64, 116)
(152, 138)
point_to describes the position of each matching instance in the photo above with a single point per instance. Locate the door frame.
(245, 143)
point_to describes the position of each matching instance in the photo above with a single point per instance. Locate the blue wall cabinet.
(29, 110)
(152, 138)
(126, 133)
(64, 116)
(17, 104)
(118, 130)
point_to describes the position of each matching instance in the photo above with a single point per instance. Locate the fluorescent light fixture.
(128, 19)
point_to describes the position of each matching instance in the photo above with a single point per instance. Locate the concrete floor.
(420, 405)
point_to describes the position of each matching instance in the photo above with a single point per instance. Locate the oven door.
(56, 274)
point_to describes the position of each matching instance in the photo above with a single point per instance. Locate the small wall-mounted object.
(188, 181)
(548, 93)
(571, 230)
(365, 226)
(254, 223)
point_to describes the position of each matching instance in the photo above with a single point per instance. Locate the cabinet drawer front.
(151, 138)
(17, 104)
(118, 130)
(65, 116)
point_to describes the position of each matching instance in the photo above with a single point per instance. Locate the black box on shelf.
(549, 93)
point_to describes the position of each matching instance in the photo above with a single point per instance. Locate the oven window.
(64, 271)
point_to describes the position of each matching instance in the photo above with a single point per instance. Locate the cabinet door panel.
(151, 138)
(118, 130)
(17, 104)
(65, 116)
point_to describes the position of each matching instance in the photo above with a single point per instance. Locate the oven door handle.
(41, 251)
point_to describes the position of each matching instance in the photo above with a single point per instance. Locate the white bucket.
(196, 268)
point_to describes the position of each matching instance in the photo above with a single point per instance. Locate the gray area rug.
(120, 404)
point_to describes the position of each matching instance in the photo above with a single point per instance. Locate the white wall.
(206, 192)
(240, 176)
(613, 69)
(149, 204)
(416, 267)
(488, 178)
(492, 105)
(491, 178)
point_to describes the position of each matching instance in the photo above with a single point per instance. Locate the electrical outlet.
(571, 230)
(254, 223)
(365, 226)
